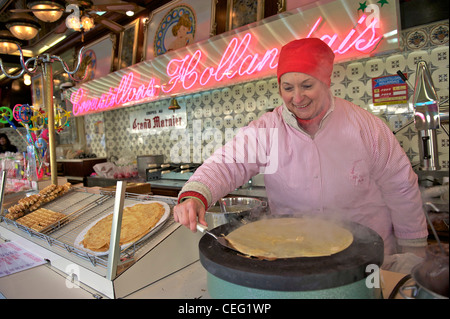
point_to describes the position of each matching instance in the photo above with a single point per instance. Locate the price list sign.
(14, 258)
(389, 90)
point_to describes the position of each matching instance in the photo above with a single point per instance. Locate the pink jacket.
(352, 168)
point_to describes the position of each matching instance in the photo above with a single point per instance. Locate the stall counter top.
(187, 283)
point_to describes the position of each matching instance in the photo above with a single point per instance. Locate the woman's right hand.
(189, 212)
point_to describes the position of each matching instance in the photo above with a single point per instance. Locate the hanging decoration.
(34, 119)
(22, 113)
(6, 114)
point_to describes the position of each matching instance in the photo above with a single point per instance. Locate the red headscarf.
(310, 56)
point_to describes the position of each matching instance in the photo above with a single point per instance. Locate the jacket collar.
(291, 119)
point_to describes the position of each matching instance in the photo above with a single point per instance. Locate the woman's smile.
(302, 106)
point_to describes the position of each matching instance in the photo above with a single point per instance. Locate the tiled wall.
(227, 109)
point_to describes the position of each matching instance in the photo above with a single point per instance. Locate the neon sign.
(365, 41)
(236, 60)
(243, 57)
(123, 94)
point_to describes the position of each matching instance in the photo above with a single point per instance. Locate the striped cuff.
(415, 242)
(199, 188)
(192, 194)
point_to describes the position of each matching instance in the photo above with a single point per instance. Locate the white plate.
(163, 219)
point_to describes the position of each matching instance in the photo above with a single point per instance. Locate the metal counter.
(169, 249)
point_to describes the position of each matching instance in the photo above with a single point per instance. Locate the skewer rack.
(167, 250)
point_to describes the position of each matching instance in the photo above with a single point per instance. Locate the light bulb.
(27, 79)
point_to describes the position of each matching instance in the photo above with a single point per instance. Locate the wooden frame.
(98, 56)
(240, 14)
(128, 39)
(224, 9)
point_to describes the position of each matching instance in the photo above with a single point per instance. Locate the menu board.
(14, 258)
(389, 90)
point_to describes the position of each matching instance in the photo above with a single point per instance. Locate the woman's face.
(2, 141)
(304, 95)
(182, 31)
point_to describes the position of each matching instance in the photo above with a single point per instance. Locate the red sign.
(389, 90)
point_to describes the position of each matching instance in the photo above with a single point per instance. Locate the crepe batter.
(290, 237)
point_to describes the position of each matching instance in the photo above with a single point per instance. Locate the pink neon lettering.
(370, 40)
(238, 59)
(183, 71)
(124, 93)
(235, 60)
(314, 27)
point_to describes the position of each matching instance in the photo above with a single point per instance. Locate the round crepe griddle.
(271, 238)
(293, 274)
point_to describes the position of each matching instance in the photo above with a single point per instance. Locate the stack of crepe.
(137, 221)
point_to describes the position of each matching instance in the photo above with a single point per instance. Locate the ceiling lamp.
(84, 24)
(73, 22)
(53, 10)
(23, 26)
(8, 43)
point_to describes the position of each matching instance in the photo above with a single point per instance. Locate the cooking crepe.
(290, 237)
(137, 221)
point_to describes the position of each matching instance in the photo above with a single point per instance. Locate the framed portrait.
(37, 87)
(178, 24)
(97, 59)
(128, 45)
(231, 14)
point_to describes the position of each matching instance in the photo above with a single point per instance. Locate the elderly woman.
(331, 158)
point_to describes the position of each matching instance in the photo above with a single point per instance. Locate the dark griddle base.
(294, 274)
